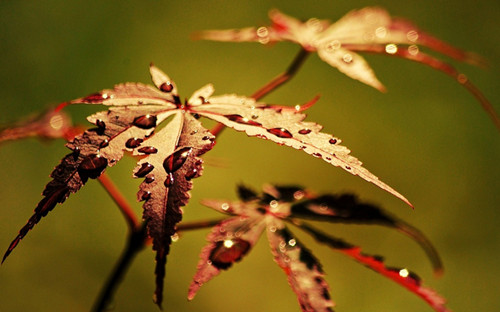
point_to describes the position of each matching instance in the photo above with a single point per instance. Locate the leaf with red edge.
(229, 241)
(303, 270)
(370, 29)
(167, 177)
(286, 127)
(51, 124)
(346, 208)
(280, 204)
(402, 276)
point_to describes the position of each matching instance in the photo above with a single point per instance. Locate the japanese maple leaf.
(370, 29)
(51, 124)
(233, 238)
(170, 156)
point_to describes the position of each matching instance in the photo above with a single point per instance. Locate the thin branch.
(283, 77)
(121, 202)
(273, 84)
(197, 225)
(135, 244)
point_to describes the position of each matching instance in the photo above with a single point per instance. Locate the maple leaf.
(233, 238)
(51, 124)
(370, 29)
(170, 156)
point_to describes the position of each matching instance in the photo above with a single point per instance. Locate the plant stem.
(120, 201)
(283, 77)
(135, 244)
(197, 225)
(273, 84)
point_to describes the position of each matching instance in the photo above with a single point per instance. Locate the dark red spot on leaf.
(144, 170)
(305, 131)
(93, 98)
(92, 166)
(242, 120)
(226, 252)
(169, 180)
(133, 142)
(177, 159)
(145, 121)
(332, 141)
(280, 132)
(148, 150)
(166, 87)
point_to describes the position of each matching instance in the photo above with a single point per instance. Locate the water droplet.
(148, 150)
(145, 121)
(381, 32)
(224, 206)
(149, 179)
(93, 98)
(413, 50)
(228, 251)
(298, 195)
(92, 166)
(462, 79)
(280, 132)
(333, 45)
(144, 170)
(177, 159)
(133, 142)
(100, 124)
(242, 120)
(412, 35)
(76, 153)
(261, 136)
(166, 87)
(146, 196)
(332, 141)
(174, 237)
(169, 180)
(191, 174)
(391, 48)
(347, 58)
(292, 242)
(263, 35)
(272, 228)
(318, 155)
(305, 131)
(104, 143)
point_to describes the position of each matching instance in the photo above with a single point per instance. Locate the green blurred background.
(427, 137)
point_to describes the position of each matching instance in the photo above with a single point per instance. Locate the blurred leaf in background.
(427, 137)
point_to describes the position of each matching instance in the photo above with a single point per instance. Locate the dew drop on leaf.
(149, 179)
(305, 131)
(228, 251)
(191, 174)
(101, 124)
(242, 120)
(169, 180)
(177, 159)
(280, 132)
(148, 150)
(92, 166)
(93, 98)
(144, 170)
(104, 143)
(332, 141)
(166, 87)
(133, 142)
(145, 121)
(146, 196)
